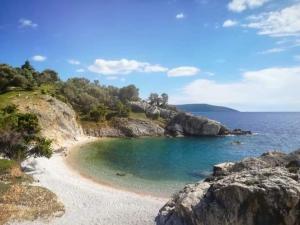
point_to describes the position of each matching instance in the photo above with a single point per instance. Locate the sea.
(162, 166)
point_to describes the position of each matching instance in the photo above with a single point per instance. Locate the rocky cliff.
(254, 191)
(185, 124)
(126, 127)
(57, 119)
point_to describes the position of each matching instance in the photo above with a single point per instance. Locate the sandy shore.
(90, 203)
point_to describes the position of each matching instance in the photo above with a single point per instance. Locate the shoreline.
(87, 201)
(70, 164)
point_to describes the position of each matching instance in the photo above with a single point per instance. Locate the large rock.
(152, 111)
(255, 191)
(188, 124)
(138, 128)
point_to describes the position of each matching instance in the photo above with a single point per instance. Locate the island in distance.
(204, 108)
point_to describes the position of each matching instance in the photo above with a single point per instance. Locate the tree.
(98, 113)
(27, 66)
(48, 76)
(164, 99)
(154, 99)
(20, 136)
(122, 109)
(129, 93)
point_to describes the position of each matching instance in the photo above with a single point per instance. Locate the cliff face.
(57, 119)
(123, 127)
(255, 191)
(181, 123)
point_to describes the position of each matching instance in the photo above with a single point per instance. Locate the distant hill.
(204, 108)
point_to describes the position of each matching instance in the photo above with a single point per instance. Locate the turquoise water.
(161, 166)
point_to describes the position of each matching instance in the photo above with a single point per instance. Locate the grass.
(139, 116)
(9, 97)
(6, 165)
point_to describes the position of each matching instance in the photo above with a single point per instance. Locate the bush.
(20, 137)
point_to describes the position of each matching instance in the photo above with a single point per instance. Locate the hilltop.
(204, 108)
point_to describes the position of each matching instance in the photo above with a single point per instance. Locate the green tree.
(98, 113)
(154, 99)
(27, 66)
(129, 93)
(48, 76)
(122, 109)
(164, 99)
(20, 136)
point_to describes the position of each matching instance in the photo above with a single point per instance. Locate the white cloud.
(241, 5)
(27, 23)
(73, 62)
(285, 22)
(230, 23)
(39, 58)
(80, 70)
(183, 71)
(272, 50)
(273, 89)
(124, 66)
(180, 16)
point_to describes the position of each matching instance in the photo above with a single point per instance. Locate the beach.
(87, 202)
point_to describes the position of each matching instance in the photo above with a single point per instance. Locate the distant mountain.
(204, 108)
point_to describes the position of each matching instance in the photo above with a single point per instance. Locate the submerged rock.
(254, 191)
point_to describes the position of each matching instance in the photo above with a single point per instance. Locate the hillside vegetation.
(91, 100)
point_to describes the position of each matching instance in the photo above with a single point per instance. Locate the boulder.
(254, 191)
(188, 124)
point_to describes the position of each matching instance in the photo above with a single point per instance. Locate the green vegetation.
(6, 165)
(92, 101)
(20, 136)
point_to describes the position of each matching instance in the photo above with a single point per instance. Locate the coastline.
(87, 201)
(70, 163)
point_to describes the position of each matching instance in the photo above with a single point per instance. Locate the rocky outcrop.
(152, 111)
(57, 119)
(124, 127)
(185, 124)
(254, 191)
(188, 124)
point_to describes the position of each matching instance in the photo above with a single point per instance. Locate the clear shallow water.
(162, 166)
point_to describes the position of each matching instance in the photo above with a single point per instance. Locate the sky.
(243, 54)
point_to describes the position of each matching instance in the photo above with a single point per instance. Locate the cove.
(158, 166)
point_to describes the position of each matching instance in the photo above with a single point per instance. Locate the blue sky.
(239, 53)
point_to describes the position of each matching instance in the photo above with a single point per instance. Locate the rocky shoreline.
(176, 124)
(254, 191)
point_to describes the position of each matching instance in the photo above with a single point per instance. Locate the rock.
(254, 191)
(139, 128)
(152, 111)
(240, 132)
(222, 168)
(121, 174)
(189, 124)
(184, 124)
(125, 127)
